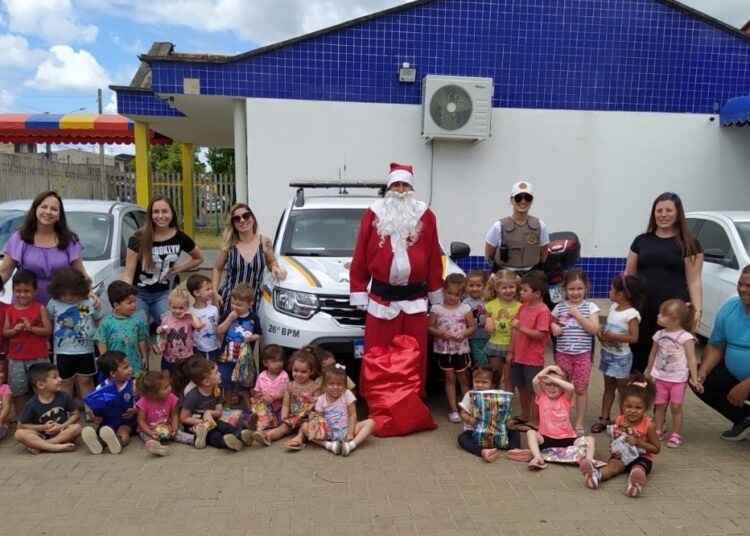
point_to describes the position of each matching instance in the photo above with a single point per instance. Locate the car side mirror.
(716, 256)
(459, 250)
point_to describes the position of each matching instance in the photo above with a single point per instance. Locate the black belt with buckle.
(390, 292)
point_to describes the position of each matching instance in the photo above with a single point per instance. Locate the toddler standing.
(476, 280)
(74, 318)
(205, 341)
(176, 330)
(526, 352)
(671, 363)
(5, 399)
(27, 327)
(501, 304)
(339, 408)
(123, 330)
(574, 322)
(450, 323)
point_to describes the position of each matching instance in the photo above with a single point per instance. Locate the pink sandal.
(675, 440)
(660, 434)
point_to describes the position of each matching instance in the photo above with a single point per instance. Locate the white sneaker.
(91, 440)
(453, 416)
(591, 473)
(233, 442)
(334, 446)
(247, 437)
(110, 439)
(346, 448)
(156, 448)
(200, 436)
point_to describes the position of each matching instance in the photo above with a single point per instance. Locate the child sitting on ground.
(634, 441)
(554, 397)
(116, 414)
(239, 328)
(123, 330)
(299, 399)
(204, 405)
(339, 409)
(205, 342)
(326, 359)
(484, 378)
(158, 420)
(27, 327)
(49, 420)
(269, 390)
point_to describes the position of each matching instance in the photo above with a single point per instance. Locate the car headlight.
(294, 303)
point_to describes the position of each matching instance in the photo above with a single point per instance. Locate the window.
(715, 243)
(130, 225)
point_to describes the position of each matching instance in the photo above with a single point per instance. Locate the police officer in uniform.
(518, 242)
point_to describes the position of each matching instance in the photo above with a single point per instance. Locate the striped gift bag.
(491, 409)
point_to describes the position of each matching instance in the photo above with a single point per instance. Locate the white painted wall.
(595, 173)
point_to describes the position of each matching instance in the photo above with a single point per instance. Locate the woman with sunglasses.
(152, 265)
(518, 242)
(671, 260)
(245, 254)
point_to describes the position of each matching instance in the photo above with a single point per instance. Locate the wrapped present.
(300, 405)
(491, 409)
(162, 430)
(243, 373)
(628, 452)
(264, 412)
(234, 417)
(317, 425)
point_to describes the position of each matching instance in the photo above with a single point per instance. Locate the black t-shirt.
(36, 412)
(662, 263)
(165, 255)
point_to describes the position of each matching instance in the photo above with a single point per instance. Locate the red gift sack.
(390, 382)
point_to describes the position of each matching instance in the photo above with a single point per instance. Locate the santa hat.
(400, 173)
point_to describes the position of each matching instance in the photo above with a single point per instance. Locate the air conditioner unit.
(456, 108)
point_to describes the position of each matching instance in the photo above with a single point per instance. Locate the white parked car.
(725, 239)
(103, 227)
(314, 243)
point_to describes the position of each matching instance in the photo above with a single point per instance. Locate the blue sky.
(54, 54)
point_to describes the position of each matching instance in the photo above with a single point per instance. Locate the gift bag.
(491, 409)
(628, 452)
(317, 425)
(243, 373)
(234, 417)
(567, 455)
(264, 411)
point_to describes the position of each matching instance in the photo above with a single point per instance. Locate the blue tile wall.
(140, 103)
(615, 55)
(599, 270)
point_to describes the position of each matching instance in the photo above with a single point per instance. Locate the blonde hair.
(244, 292)
(683, 312)
(501, 276)
(179, 293)
(229, 236)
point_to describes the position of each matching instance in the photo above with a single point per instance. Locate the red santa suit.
(403, 276)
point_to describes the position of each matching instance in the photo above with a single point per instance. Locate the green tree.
(168, 159)
(221, 160)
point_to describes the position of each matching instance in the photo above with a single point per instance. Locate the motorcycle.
(564, 251)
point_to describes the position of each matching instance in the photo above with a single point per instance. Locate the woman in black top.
(151, 262)
(671, 260)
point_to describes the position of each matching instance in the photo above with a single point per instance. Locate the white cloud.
(53, 20)
(136, 47)
(69, 70)
(259, 21)
(111, 106)
(16, 52)
(6, 100)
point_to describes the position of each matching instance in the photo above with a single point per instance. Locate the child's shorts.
(554, 443)
(213, 355)
(667, 392)
(337, 434)
(523, 375)
(72, 365)
(577, 366)
(496, 350)
(18, 374)
(477, 351)
(454, 362)
(615, 365)
(643, 462)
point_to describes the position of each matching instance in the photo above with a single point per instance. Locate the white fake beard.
(400, 218)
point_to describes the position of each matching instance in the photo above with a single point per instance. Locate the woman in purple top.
(43, 244)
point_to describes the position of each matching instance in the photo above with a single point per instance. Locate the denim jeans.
(152, 305)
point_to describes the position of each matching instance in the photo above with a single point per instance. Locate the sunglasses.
(244, 216)
(523, 197)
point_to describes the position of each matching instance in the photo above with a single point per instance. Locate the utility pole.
(102, 173)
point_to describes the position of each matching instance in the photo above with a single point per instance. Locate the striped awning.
(71, 128)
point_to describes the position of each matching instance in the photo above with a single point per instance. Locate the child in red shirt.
(526, 351)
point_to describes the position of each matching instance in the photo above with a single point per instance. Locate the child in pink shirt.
(158, 420)
(269, 390)
(5, 399)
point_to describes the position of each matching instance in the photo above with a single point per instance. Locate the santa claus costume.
(398, 252)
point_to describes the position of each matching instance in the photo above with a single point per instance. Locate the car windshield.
(743, 228)
(93, 229)
(321, 232)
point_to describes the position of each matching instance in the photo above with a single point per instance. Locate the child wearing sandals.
(116, 417)
(627, 294)
(269, 389)
(501, 306)
(484, 378)
(635, 429)
(158, 420)
(554, 397)
(299, 399)
(671, 363)
(339, 409)
(575, 321)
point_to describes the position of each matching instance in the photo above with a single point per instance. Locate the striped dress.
(238, 271)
